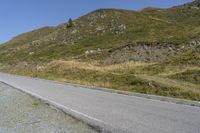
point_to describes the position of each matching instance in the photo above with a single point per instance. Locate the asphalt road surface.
(111, 112)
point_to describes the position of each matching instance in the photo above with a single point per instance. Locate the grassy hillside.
(120, 49)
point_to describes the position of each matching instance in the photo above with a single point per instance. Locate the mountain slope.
(158, 43)
(107, 29)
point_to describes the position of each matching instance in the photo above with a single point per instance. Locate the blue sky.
(18, 16)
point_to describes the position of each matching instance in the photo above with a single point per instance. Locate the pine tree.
(70, 23)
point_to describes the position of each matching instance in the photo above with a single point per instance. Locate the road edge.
(147, 96)
(94, 124)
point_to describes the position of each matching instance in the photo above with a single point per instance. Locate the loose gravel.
(22, 113)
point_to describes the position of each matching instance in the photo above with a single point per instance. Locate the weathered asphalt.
(111, 112)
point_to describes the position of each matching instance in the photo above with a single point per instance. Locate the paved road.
(112, 112)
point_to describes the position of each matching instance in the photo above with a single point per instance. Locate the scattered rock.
(148, 52)
(31, 53)
(194, 43)
(118, 29)
(100, 28)
(150, 84)
(39, 68)
(93, 51)
(89, 52)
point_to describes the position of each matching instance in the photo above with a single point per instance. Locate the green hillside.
(119, 49)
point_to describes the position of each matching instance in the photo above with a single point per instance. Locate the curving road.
(111, 112)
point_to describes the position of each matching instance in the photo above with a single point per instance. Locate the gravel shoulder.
(22, 113)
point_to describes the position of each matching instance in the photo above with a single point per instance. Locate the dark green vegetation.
(192, 76)
(154, 51)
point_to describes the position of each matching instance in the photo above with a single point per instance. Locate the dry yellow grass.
(73, 64)
(177, 70)
(172, 82)
(124, 68)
